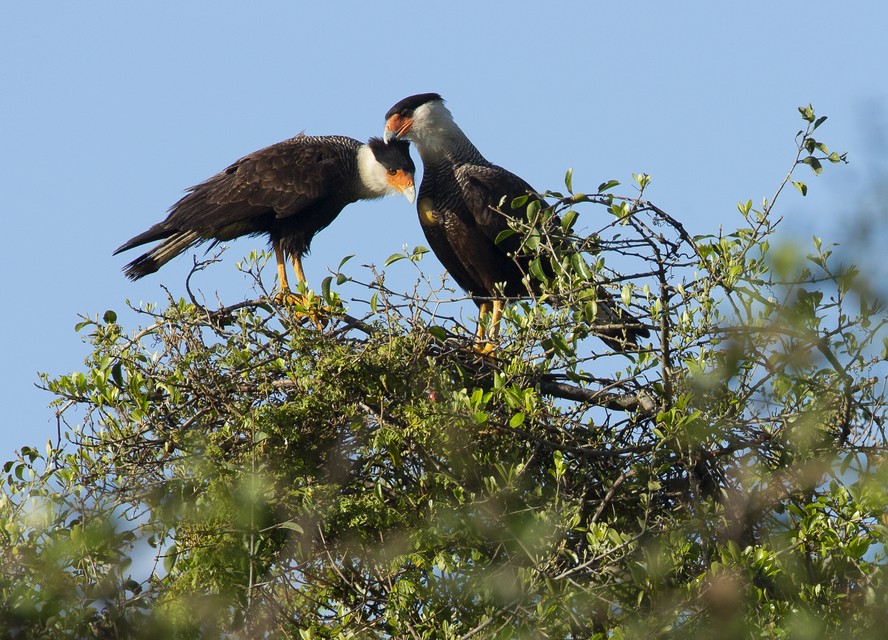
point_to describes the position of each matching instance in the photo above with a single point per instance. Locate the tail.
(626, 329)
(175, 243)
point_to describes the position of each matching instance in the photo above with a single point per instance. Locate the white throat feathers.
(373, 177)
(436, 135)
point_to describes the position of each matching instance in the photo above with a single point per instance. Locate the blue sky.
(109, 110)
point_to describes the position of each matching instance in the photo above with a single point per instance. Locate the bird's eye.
(392, 172)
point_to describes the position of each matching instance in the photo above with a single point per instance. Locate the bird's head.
(415, 117)
(393, 170)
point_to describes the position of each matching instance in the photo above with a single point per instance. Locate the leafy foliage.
(230, 472)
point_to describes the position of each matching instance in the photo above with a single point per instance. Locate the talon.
(306, 309)
(485, 339)
(289, 299)
(320, 317)
(484, 349)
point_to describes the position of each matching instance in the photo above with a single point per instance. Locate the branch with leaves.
(377, 478)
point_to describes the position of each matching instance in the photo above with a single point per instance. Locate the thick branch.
(641, 401)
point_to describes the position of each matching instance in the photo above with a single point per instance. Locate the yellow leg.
(483, 310)
(484, 345)
(313, 313)
(297, 269)
(283, 286)
(285, 295)
(495, 317)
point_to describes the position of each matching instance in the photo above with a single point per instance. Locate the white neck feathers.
(437, 136)
(373, 182)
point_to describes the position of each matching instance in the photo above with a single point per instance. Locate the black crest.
(394, 154)
(409, 105)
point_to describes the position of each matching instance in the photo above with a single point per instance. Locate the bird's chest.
(436, 198)
(441, 221)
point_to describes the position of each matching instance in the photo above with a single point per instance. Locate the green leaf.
(117, 374)
(517, 420)
(520, 201)
(568, 180)
(801, 186)
(807, 113)
(292, 526)
(642, 179)
(505, 233)
(607, 186)
(619, 209)
(814, 163)
(344, 260)
(110, 317)
(325, 287)
(393, 259)
(438, 332)
(567, 220)
(558, 460)
(580, 267)
(536, 270)
(169, 558)
(626, 295)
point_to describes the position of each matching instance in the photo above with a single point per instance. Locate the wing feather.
(488, 192)
(284, 178)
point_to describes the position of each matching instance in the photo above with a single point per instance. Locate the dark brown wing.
(285, 178)
(264, 192)
(467, 199)
(486, 189)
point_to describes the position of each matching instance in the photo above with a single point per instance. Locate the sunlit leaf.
(393, 259)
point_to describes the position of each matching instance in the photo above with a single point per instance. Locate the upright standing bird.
(289, 191)
(463, 205)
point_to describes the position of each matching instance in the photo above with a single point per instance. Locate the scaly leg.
(495, 317)
(317, 315)
(483, 310)
(297, 269)
(285, 294)
(483, 345)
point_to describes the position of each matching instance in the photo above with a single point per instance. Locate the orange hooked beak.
(397, 126)
(403, 182)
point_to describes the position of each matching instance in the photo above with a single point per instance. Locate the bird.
(464, 205)
(288, 191)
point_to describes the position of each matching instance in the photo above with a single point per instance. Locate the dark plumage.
(289, 191)
(458, 199)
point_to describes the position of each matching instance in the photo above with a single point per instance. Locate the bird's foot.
(305, 308)
(484, 349)
(289, 299)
